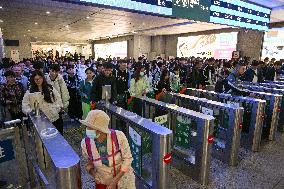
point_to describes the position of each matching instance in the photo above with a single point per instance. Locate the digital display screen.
(107, 50)
(219, 46)
(228, 12)
(198, 10)
(163, 7)
(273, 44)
(239, 13)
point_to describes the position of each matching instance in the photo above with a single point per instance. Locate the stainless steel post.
(160, 169)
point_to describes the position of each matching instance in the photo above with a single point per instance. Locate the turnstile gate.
(254, 110)
(227, 125)
(192, 136)
(150, 145)
(278, 106)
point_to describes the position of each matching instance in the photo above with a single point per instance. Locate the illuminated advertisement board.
(228, 12)
(110, 50)
(273, 44)
(219, 46)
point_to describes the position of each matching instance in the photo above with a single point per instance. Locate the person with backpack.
(108, 153)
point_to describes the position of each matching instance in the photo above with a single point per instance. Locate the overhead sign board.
(239, 13)
(227, 12)
(198, 10)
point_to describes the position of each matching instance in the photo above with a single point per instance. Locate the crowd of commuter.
(72, 86)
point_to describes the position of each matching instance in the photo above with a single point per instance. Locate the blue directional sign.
(6, 150)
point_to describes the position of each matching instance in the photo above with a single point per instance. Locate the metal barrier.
(227, 124)
(192, 134)
(150, 162)
(12, 156)
(50, 162)
(55, 157)
(254, 109)
(274, 108)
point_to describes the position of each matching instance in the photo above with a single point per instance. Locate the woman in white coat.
(108, 152)
(48, 98)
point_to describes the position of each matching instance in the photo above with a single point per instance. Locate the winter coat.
(60, 85)
(137, 88)
(51, 110)
(123, 162)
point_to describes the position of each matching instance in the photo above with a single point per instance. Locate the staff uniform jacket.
(51, 110)
(231, 87)
(60, 85)
(136, 88)
(123, 162)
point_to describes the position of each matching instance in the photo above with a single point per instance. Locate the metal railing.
(46, 159)
(192, 134)
(149, 142)
(227, 125)
(254, 110)
(278, 108)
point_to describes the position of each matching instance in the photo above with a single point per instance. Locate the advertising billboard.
(219, 46)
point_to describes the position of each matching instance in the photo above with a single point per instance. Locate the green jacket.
(85, 90)
(137, 88)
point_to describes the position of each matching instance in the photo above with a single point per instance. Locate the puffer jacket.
(60, 85)
(51, 110)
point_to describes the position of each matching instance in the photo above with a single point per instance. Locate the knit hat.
(98, 120)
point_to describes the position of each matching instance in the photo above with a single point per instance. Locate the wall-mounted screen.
(219, 46)
(117, 49)
(273, 44)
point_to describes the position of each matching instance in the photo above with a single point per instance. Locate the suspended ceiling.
(68, 22)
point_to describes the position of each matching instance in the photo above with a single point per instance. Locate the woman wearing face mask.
(139, 84)
(108, 153)
(49, 100)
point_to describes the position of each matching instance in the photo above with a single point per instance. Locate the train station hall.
(141, 94)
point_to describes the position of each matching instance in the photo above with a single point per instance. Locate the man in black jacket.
(104, 79)
(122, 82)
(253, 74)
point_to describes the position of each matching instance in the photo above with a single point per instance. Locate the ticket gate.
(278, 108)
(254, 109)
(192, 136)
(150, 144)
(227, 125)
(46, 159)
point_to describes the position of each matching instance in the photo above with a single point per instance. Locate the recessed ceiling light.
(1, 21)
(87, 17)
(47, 12)
(1, 7)
(36, 23)
(29, 30)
